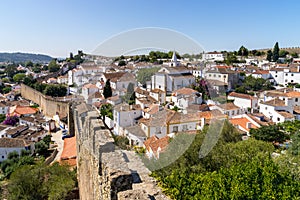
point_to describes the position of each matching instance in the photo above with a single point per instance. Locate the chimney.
(248, 125)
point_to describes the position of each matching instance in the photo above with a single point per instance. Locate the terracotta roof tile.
(239, 95)
(69, 150)
(242, 122)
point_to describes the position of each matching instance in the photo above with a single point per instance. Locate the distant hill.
(23, 57)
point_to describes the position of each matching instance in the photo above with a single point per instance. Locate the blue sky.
(58, 27)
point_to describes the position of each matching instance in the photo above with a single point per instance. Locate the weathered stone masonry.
(103, 171)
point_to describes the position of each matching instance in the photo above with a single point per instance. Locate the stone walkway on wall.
(144, 186)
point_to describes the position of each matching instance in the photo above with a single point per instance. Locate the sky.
(58, 27)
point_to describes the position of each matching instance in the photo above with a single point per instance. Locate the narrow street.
(56, 137)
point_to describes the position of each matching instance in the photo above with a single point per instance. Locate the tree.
(269, 55)
(41, 182)
(106, 110)
(55, 90)
(130, 94)
(2, 117)
(28, 64)
(272, 133)
(6, 90)
(107, 91)
(53, 66)
(11, 70)
(121, 63)
(144, 75)
(276, 52)
(19, 77)
(243, 51)
(283, 53)
(41, 148)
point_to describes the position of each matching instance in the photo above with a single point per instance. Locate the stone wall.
(50, 106)
(105, 172)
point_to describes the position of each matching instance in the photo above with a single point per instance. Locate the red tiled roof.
(242, 122)
(24, 110)
(239, 95)
(69, 150)
(184, 91)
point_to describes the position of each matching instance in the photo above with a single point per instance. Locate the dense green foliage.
(58, 90)
(254, 84)
(53, 66)
(243, 51)
(106, 110)
(129, 97)
(23, 57)
(19, 77)
(272, 133)
(54, 90)
(228, 169)
(41, 182)
(144, 75)
(276, 52)
(269, 55)
(41, 147)
(107, 91)
(14, 161)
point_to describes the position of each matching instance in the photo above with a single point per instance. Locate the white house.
(124, 116)
(4, 108)
(286, 75)
(277, 110)
(184, 97)
(8, 145)
(244, 100)
(265, 74)
(169, 79)
(89, 89)
(223, 74)
(230, 109)
(213, 56)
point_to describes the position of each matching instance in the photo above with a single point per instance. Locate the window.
(275, 75)
(283, 99)
(278, 119)
(2, 156)
(214, 75)
(286, 80)
(175, 128)
(292, 74)
(276, 72)
(266, 108)
(157, 130)
(209, 75)
(232, 112)
(292, 81)
(219, 76)
(286, 74)
(296, 100)
(184, 127)
(224, 76)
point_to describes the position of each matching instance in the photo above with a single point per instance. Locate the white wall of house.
(5, 151)
(284, 77)
(4, 110)
(244, 103)
(213, 56)
(159, 131)
(124, 119)
(183, 126)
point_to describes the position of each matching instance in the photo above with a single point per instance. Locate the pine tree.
(107, 92)
(269, 55)
(276, 52)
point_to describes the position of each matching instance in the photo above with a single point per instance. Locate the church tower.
(174, 62)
